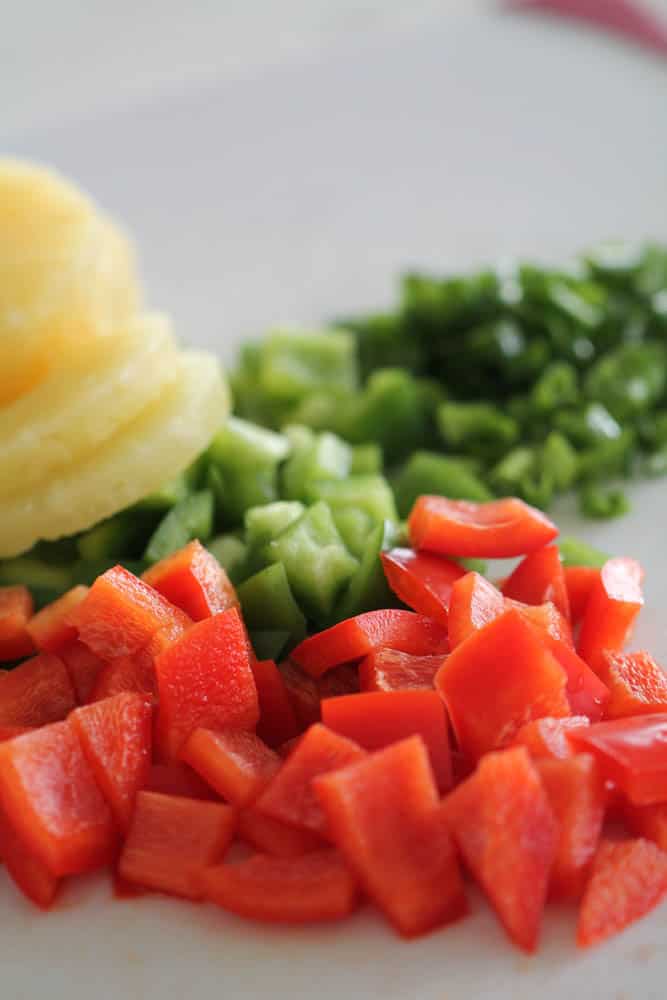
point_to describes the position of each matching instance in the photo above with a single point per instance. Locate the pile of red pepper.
(392, 751)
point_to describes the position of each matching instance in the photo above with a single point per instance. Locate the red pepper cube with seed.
(193, 580)
(578, 797)
(116, 738)
(384, 818)
(613, 605)
(629, 879)
(308, 889)
(16, 607)
(497, 680)
(379, 718)
(290, 797)
(539, 578)
(49, 795)
(172, 839)
(637, 684)
(505, 828)
(421, 580)
(205, 679)
(52, 627)
(498, 529)
(237, 764)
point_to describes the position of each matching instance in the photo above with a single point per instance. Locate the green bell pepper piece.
(598, 503)
(292, 364)
(428, 472)
(191, 518)
(368, 589)
(366, 460)
(371, 494)
(244, 461)
(574, 552)
(268, 603)
(232, 554)
(313, 457)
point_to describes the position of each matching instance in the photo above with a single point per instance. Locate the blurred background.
(284, 162)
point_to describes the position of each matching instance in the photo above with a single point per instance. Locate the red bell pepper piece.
(613, 605)
(379, 718)
(586, 693)
(632, 754)
(36, 692)
(303, 693)
(548, 737)
(204, 679)
(16, 607)
(127, 674)
(647, 821)
(290, 797)
(51, 627)
(384, 818)
(578, 798)
(194, 581)
(474, 603)
(638, 686)
(29, 874)
(116, 738)
(237, 764)
(49, 794)
(579, 581)
(357, 637)
(547, 618)
(121, 614)
(270, 836)
(422, 581)
(277, 719)
(339, 680)
(9, 732)
(498, 529)
(505, 829)
(172, 839)
(83, 667)
(497, 680)
(177, 778)
(628, 880)
(539, 578)
(390, 670)
(314, 887)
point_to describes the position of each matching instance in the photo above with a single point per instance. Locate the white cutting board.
(295, 194)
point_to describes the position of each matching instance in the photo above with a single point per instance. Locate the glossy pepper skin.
(614, 602)
(631, 753)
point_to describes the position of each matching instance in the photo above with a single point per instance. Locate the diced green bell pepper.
(371, 494)
(574, 552)
(268, 603)
(293, 364)
(478, 428)
(191, 518)
(368, 588)
(232, 554)
(428, 472)
(600, 503)
(313, 457)
(167, 496)
(366, 460)
(244, 462)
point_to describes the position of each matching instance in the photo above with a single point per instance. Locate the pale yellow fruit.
(85, 402)
(150, 450)
(66, 274)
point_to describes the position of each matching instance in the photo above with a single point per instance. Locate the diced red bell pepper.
(548, 737)
(578, 797)
(632, 753)
(339, 680)
(9, 732)
(422, 581)
(270, 836)
(498, 529)
(204, 679)
(547, 618)
(390, 670)
(377, 719)
(613, 605)
(314, 887)
(277, 719)
(384, 818)
(586, 693)
(579, 581)
(474, 603)
(116, 738)
(237, 764)
(286, 748)
(121, 614)
(83, 667)
(16, 607)
(30, 875)
(303, 693)
(539, 578)
(36, 692)
(291, 797)
(357, 637)
(501, 819)
(177, 778)
(127, 674)
(637, 685)
(50, 796)
(497, 680)
(629, 878)
(172, 840)
(647, 821)
(194, 581)
(51, 627)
